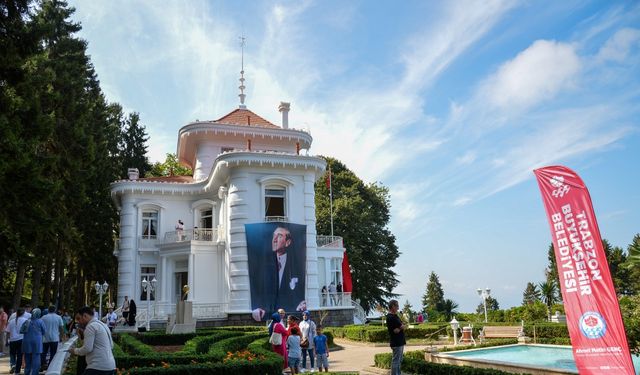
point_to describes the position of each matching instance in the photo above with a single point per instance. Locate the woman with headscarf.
(32, 343)
(276, 327)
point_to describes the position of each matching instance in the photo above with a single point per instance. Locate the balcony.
(329, 241)
(336, 299)
(195, 234)
(282, 219)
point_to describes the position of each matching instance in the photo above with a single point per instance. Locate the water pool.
(527, 356)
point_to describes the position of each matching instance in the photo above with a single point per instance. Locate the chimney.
(133, 173)
(284, 108)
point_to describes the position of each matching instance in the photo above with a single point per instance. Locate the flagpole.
(331, 201)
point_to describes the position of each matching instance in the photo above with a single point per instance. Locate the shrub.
(413, 362)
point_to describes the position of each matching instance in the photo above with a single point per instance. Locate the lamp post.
(101, 289)
(454, 326)
(149, 287)
(484, 294)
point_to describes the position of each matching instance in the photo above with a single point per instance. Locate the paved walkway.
(4, 363)
(357, 356)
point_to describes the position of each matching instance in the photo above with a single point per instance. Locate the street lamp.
(454, 326)
(484, 294)
(149, 287)
(101, 289)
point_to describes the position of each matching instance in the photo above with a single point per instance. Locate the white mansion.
(246, 170)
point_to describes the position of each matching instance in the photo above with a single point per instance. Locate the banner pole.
(331, 201)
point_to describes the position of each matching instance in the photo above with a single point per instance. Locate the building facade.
(190, 230)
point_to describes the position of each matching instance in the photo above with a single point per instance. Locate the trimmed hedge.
(217, 350)
(270, 364)
(201, 344)
(413, 362)
(368, 333)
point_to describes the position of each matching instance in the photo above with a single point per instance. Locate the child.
(322, 349)
(295, 351)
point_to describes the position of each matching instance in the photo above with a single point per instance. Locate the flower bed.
(217, 352)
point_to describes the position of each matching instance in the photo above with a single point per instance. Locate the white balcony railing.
(342, 299)
(283, 219)
(200, 310)
(329, 241)
(195, 234)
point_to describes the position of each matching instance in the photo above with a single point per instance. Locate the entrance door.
(181, 279)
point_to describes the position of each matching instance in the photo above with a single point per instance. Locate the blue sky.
(450, 104)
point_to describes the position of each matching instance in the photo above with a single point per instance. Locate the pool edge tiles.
(450, 358)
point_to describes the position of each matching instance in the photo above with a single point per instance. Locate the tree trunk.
(47, 282)
(17, 289)
(36, 277)
(59, 276)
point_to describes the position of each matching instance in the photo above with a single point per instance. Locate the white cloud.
(617, 48)
(468, 158)
(537, 74)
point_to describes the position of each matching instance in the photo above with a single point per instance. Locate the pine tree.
(134, 146)
(433, 298)
(531, 294)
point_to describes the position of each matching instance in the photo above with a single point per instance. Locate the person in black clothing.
(132, 313)
(396, 336)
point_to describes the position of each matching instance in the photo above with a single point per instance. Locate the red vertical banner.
(347, 283)
(593, 314)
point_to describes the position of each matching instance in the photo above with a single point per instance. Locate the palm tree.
(549, 294)
(449, 308)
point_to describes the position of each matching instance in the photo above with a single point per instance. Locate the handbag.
(276, 338)
(24, 328)
(304, 343)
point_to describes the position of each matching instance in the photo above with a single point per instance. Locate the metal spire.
(242, 87)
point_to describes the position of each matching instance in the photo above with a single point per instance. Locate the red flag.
(347, 284)
(593, 313)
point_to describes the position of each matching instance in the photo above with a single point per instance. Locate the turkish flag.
(590, 302)
(347, 285)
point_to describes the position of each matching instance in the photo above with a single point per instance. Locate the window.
(274, 202)
(149, 225)
(206, 218)
(147, 272)
(336, 270)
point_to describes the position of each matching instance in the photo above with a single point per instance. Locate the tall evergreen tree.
(134, 146)
(531, 294)
(361, 214)
(433, 298)
(492, 305)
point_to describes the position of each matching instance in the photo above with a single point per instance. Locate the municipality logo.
(561, 188)
(592, 325)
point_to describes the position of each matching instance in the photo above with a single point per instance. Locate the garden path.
(356, 356)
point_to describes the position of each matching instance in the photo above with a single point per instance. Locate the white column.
(127, 247)
(312, 297)
(190, 277)
(238, 211)
(164, 274)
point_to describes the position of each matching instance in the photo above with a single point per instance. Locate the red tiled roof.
(173, 179)
(245, 117)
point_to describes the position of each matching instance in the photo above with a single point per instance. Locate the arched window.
(275, 191)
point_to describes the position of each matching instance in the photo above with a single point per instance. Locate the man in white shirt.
(97, 345)
(54, 327)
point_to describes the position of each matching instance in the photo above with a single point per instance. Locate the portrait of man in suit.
(277, 266)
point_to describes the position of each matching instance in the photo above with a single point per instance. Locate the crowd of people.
(295, 340)
(33, 337)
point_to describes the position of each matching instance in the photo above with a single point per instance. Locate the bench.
(495, 332)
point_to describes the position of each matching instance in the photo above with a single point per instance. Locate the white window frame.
(275, 183)
(336, 270)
